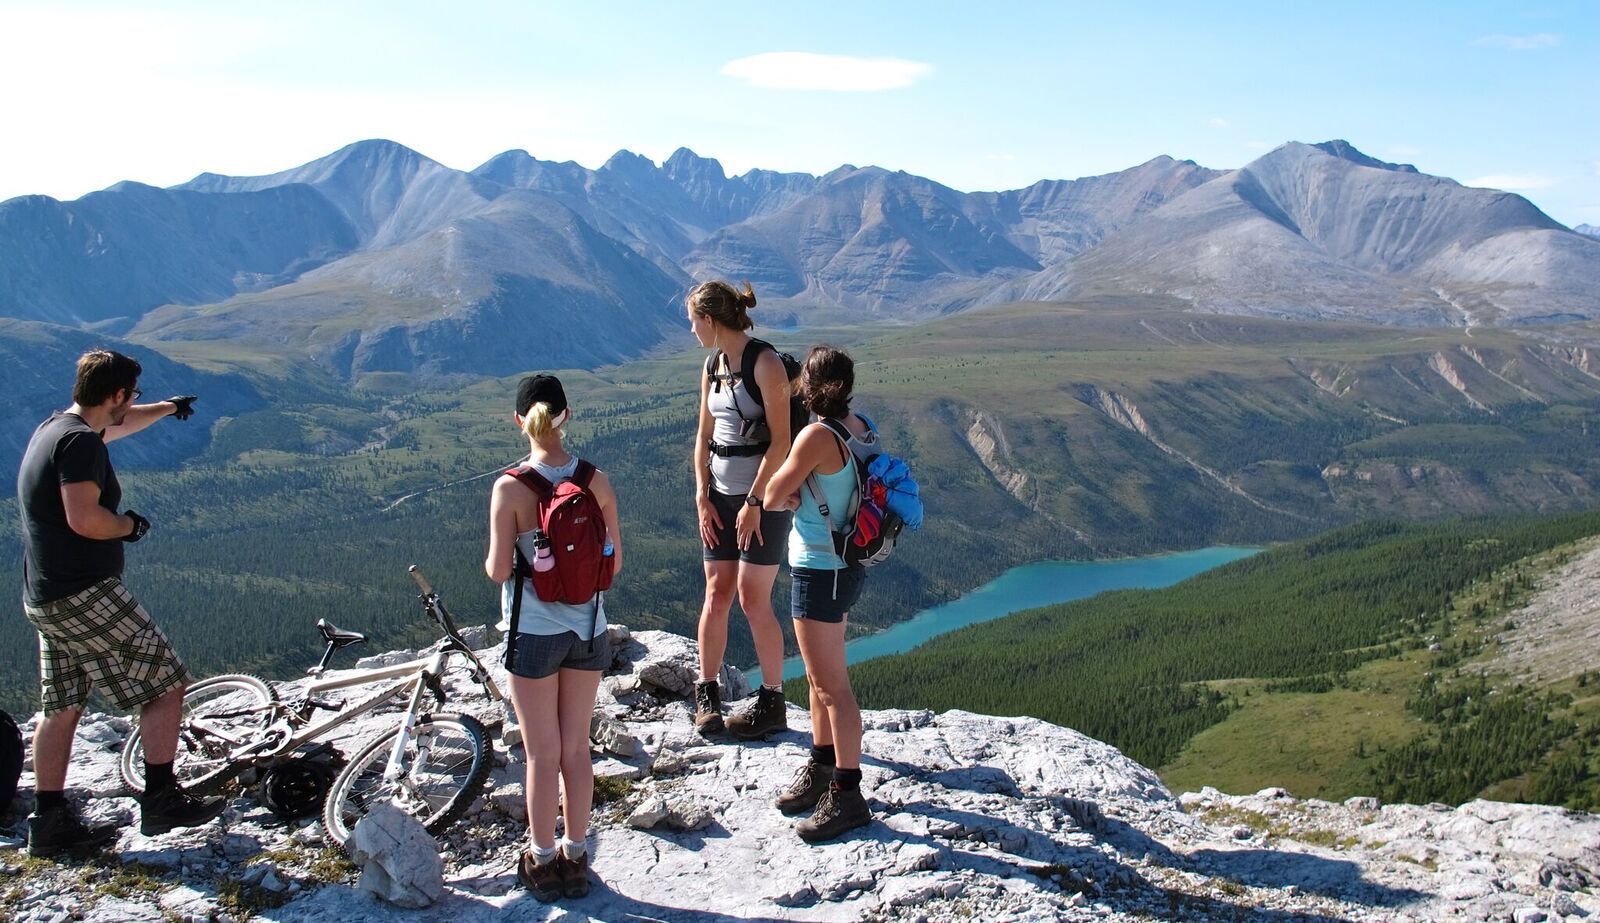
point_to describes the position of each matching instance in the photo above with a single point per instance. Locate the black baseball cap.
(536, 389)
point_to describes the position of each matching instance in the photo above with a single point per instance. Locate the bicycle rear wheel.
(444, 765)
(219, 714)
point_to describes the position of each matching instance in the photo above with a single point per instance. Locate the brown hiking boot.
(766, 714)
(806, 789)
(708, 708)
(839, 810)
(542, 881)
(574, 875)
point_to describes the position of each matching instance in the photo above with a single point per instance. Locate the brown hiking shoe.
(542, 881)
(708, 708)
(839, 810)
(765, 715)
(806, 789)
(574, 875)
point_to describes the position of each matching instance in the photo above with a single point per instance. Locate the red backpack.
(570, 517)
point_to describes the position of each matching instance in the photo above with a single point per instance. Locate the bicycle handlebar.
(422, 582)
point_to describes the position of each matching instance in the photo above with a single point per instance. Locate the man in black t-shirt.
(92, 632)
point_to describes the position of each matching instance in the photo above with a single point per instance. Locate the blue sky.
(985, 95)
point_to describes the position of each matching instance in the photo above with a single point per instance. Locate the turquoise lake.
(1028, 587)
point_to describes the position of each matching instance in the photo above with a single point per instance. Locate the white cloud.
(1519, 42)
(803, 70)
(1514, 182)
(1218, 123)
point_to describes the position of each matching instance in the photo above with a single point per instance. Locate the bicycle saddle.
(337, 636)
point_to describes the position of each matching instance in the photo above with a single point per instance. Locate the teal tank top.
(810, 538)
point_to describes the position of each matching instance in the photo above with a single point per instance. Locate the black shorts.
(774, 533)
(538, 656)
(824, 595)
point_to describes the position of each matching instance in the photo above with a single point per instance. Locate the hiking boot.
(574, 875)
(59, 831)
(708, 708)
(172, 807)
(838, 810)
(767, 714)
(542, 881)
(806, 790)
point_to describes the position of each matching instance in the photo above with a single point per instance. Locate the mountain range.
(379, 259)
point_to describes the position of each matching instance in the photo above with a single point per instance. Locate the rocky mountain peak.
(686, 166)
(1344, 150)
(975, 817)
(1588, 230)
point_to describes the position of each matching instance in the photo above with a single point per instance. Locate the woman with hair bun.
(742, 438)
(555, 651)
(818, 481)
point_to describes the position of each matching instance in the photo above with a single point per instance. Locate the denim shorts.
(774, 533)
(824, 595)
(538, 656)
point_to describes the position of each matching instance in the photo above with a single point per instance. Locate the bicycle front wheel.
(219, 714)
(444, 764)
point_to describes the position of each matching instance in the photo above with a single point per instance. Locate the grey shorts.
(538, 656)
(774, 544)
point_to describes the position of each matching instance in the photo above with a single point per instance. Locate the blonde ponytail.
(537, 421)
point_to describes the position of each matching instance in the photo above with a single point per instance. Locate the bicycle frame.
(293, 729)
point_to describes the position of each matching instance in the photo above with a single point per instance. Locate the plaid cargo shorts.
(102, 637)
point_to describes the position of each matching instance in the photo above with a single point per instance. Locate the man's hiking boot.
(58, 831)
(172, 807)
(574, 875)
(766, 714)
(708, 708)
(542, 881)
(839, 810)
(806, 790)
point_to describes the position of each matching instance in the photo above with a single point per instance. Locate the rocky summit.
(976, 818)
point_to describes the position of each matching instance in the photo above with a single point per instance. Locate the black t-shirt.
(59, 562)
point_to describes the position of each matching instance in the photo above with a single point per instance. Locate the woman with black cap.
(555, 651)
(743, 437)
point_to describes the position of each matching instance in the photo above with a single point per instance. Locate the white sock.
(542, 855)
(573, 850)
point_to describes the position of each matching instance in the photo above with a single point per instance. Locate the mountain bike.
(432, 766)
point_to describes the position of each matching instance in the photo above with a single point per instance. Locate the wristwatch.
(752, 500)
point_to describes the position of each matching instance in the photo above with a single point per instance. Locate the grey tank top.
(731, 407)
(546, 618)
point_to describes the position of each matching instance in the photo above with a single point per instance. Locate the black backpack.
(798, 415)
(10, 761)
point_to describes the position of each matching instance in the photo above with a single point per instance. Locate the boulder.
(399, 861)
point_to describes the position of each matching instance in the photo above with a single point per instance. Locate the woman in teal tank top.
(820, 472)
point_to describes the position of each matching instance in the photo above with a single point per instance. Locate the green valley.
(1038, 431)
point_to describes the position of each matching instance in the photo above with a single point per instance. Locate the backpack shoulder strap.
(532, 480)
(747, 368)
(584, 473)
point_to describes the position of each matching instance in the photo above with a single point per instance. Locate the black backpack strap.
(711, 373)
(520, 570)
(747, 367)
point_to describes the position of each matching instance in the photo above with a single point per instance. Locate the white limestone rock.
(400, 861)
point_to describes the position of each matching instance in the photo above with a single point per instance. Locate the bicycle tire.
(198, 762)
(457, 782)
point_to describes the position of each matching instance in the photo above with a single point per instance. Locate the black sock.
(158, 776)
(823, 755)
(44, 801)
(848, 780)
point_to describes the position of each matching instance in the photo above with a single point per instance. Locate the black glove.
(141, 525)
(185, 405)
